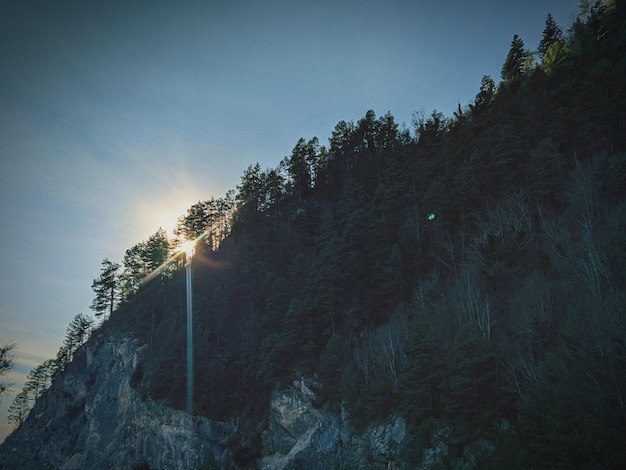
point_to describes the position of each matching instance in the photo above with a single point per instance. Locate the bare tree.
(424, 293)
(573, 244)
(390, 339)
(364, 355)
(469, 303)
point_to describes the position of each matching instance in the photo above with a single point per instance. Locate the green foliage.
(552, 35)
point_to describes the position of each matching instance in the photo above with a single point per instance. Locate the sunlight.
(188, 248)
(167, 217)
(163, 205)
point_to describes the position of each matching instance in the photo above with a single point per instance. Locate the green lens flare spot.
(431, 216)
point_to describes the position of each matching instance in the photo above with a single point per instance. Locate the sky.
(115, 117)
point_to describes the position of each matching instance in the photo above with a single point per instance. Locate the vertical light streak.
(189, 339)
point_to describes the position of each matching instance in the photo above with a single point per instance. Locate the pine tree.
(513, 68)
(7, 362)
(552, 34)
(79, 329)
(106, 288)
(484, 96)
(301, 166)
(76, 334)
(19, 409)
(145, 259)
(39, 379)
(194, 223)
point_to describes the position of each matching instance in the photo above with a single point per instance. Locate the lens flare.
(187, 248)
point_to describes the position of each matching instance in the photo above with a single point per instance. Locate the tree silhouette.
(7, 363)
(106, 288)
(552, 34)
(513, 68)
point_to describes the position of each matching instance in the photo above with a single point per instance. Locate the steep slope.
(92, 418)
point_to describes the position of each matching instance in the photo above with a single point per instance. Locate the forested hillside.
(467, 275)
(470, 276)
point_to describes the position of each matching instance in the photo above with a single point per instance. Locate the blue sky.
(115, 117)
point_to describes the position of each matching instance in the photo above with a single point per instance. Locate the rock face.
(301, 436)
(92, 418)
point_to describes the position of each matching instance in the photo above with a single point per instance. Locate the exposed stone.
(291, 415)
(329, 438)
(398, 431)
(91, 418)
(301, 436)
(435, 455)
(478, 452)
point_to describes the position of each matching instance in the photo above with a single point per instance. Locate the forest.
(467, 274)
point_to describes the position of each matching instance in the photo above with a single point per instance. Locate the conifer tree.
(37, 380)
(552, 34)
(142, 260)
(79, 329)
(76, 334)
(7, 362)
(302, 165)
(19, 409)
(484, 96)
(513, 67)
(195, 222)
(106, 288)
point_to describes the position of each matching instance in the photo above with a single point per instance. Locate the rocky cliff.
(91, 417)
(299, 435)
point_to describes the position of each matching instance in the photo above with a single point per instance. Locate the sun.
(160, 213)
(188, 247)
(162, 206)
(167, 217)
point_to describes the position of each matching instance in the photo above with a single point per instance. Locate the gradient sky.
(115, 117)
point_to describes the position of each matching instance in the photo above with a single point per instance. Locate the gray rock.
(435, 455)
(291, 415)
(92, 418)
(398, 431)
(329, 437)
(478, 452)
(301, 436)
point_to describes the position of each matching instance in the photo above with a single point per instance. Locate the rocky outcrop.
(92, 418)
(299, 435)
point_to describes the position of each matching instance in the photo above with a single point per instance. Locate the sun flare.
(188, 247)
(167, 217)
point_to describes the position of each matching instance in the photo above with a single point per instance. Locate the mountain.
(449, 299)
